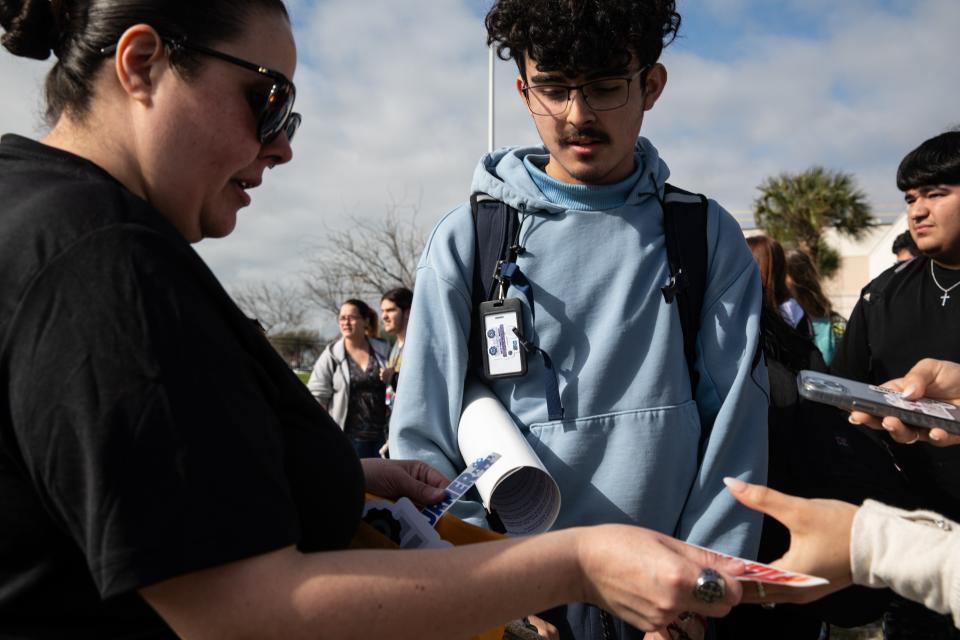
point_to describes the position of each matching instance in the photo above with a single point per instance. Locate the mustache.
(587, 132)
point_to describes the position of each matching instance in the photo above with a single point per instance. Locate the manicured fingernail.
(908, 391)
(852, 420)
(735, 484)
(936, 436)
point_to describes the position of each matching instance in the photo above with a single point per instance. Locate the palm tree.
(796, 209)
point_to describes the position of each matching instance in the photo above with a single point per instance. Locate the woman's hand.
(819, 540)
(937, 379)
(395, 479)
(647, 578)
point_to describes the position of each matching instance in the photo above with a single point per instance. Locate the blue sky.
(394, 102)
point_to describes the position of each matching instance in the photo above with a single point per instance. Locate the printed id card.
(503, 355)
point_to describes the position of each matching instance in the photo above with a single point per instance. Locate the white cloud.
(856, 100)
(394, 102)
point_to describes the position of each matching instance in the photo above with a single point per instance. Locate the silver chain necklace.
(946, 291)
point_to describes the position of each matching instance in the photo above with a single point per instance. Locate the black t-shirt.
(900, 319)
(147, 429)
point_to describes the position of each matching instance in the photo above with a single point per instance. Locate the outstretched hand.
(819, 540)
(936, 379)
(647, 578)
(395, 479)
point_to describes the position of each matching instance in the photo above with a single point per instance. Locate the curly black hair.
(576, 36)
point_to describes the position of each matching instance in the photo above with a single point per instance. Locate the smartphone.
(879, 401)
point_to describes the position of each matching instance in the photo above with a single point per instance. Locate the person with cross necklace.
(908, 313)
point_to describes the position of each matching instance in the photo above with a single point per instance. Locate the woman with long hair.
(773, 273)
(803, 281)
(346, 380)
(163, 471)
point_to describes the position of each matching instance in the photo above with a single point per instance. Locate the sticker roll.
(517, 486)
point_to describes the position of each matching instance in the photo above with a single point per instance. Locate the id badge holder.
(503, 355)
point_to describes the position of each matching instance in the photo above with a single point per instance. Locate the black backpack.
(497, 226)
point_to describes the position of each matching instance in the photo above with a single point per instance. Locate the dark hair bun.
(31, 29)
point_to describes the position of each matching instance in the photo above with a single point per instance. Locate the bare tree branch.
(365, 259)
(279, 307)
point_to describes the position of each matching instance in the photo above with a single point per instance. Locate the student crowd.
(163, 473)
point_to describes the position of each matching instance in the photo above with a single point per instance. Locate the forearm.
(910, 552)
(452, 593)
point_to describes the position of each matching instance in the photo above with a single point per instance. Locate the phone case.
(853, 395)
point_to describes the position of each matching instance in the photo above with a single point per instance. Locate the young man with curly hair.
(628, 448)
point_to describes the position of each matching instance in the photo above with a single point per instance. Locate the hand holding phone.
(921, 414)
(937, 379)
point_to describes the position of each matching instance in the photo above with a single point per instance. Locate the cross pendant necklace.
(946, 290)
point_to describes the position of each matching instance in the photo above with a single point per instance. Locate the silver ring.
(710, 587)
(761, 591)
(916, 438)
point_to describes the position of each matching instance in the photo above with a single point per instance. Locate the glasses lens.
(609, 93)
(547, 99)
(277, 111)
(291, 126)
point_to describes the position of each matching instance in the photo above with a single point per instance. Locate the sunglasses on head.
(274, 112)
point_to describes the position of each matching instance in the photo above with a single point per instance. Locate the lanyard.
(509, 274)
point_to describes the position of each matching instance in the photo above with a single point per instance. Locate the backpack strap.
(497, 227)
(496, 224)
(685, 234)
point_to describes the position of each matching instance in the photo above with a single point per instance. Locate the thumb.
(421, 492)
(914, 384)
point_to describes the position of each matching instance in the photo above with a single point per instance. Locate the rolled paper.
(517, 486)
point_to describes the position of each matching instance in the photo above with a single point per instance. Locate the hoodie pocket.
(632, 467)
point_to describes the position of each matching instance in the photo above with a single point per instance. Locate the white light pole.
(490, 100)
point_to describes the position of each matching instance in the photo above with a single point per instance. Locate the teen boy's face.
(588, 146)
(933, 213)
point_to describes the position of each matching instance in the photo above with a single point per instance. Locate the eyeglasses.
(274, 111)
(605, 94)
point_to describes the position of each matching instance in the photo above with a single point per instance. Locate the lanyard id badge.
(503, 354)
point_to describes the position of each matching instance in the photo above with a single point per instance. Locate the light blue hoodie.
(626, 450)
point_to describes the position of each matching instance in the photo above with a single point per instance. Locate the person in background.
(346, 380)
(904, 248)
(909, 312)
(395, 313)
(163, 471)
(772, 263)
(803, 282)
(373, 323)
